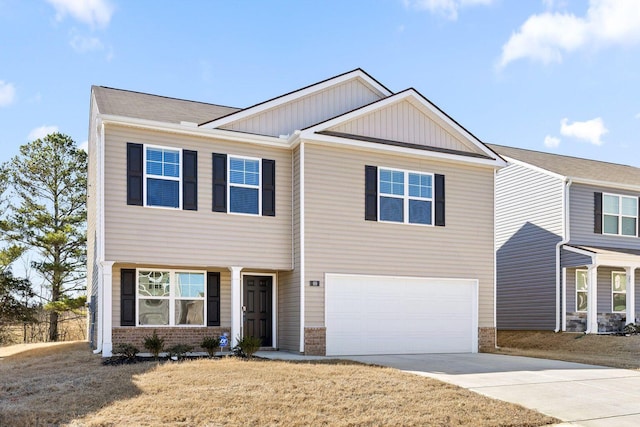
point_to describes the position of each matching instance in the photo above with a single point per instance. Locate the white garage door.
(400, 315)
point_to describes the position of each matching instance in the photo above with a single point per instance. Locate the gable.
(285, 118)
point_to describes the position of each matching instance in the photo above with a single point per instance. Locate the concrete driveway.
(583, 395)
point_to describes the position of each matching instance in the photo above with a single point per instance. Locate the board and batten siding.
(146, 235)
(405, 122)
(225, 290)
(582, 219)
(528, 226)
(339, 240)
(308, 110)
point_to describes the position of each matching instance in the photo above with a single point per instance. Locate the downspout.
(566, 236)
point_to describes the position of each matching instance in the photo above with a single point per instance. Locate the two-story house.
(340, 218)
(567, 243)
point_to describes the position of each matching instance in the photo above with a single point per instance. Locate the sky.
(548, 75)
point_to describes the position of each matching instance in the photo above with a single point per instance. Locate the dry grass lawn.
(66, 384)
(606, 350)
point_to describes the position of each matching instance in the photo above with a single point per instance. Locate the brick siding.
(172, 336)
(315, 341)
(486, 340)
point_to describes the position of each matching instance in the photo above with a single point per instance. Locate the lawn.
(66, 384)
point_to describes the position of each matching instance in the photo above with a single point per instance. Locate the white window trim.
(168, 178)
(171, 298)
(620, 215)
(613, 292)
(579, 270)
(258, 187)
(405, 197)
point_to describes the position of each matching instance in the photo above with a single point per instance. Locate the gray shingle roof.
(574, 167)
(138, 105)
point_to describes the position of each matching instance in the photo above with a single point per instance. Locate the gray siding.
(604, 289)
(582, 219)
(528, 227)
(572, 259)
(339, 240)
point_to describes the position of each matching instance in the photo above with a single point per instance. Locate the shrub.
(246, 346)
(210, 344)
(179, 350)
(128, 351)
(631, 329)
(154, 344)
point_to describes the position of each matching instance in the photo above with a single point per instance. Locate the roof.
(139, 105)
(574, 167)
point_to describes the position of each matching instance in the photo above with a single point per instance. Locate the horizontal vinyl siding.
(604, 289)
(225, 291)
(309, 110)
(339, 240)
(145, 235)
(528, 227)
(572, 259)
(582, 219)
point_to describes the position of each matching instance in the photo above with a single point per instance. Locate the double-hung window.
(618, 292)
(162, 177)
(581, 290)
(171, 298)
(405, 196)
(244, 185)
(619, 215)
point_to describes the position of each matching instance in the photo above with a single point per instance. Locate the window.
(244, 185)
(618, 292)
(619, 215)
(162, 177)
(170, 298)
(581, 290)
(405, 197)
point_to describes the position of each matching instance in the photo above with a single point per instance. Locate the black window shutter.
(268, 187)
(213, 299)
(597, 213)
(134, 174)
(219, 182)
(439, 198)
(371, 193)
(127, 297)
(189, 180)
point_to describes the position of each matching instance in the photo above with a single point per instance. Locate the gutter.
(566, 236)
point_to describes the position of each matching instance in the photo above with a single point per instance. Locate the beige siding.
(145, 235)
(308, 110)
(339, 240)
(225, 291)
(406, 122)
(92, 214)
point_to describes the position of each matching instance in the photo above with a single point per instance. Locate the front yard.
(66, 384)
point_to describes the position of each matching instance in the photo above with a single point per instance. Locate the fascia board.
(233, 117)
(533, 167)
(579, 251)
(607, 184)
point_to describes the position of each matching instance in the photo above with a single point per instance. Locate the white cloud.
(590, 130)
(548, 36)
(84, 146)
(7, 93)
(82, 44)
(551, 141)
(96, 13)
(41, 132)
(447, 8)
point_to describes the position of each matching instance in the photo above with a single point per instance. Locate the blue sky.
(557, 76)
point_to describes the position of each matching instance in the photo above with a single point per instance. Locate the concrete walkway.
(583, 395)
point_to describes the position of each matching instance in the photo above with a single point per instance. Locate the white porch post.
(631, 295)
(563, 300)
(592, 300)
(107, 307)
(236, 301)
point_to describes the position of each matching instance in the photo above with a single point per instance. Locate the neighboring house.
(341, 218)
(567, 243)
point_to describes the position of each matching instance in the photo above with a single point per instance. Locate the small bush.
(211, 344)
(179, 350)
(154, 344)
(246, 346)
(631, 329)
(128, 351)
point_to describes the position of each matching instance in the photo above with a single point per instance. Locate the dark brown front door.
(257, 308)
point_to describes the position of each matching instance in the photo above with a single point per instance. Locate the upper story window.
(244, 185)
(619, 215)
(162, 177)
(405, 197)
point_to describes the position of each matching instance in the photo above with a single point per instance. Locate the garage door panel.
(390, 315)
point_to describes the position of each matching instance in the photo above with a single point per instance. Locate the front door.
(257, 308)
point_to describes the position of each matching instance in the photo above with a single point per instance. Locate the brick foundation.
(486, 340)
(172, 336)
(315, 341)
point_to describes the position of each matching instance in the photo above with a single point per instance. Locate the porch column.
(592, 300)
(106, 306)
(236, 301)
(631, 295)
